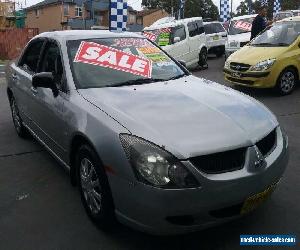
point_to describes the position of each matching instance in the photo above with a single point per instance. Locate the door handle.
(34, 90)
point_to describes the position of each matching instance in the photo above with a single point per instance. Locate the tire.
(203, 58)
(94, 188)
(287, 81)
(17, 120)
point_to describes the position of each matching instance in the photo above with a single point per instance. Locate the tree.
(242, 9)
(193, 8)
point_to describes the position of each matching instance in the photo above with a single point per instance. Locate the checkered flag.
(264, 2)
(118, 15)
(277, 7)
(224, 10)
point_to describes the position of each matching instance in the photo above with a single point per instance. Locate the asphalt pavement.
(39, 209)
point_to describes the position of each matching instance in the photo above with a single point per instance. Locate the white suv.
(239, 33)
(183, 39)
(216, 37)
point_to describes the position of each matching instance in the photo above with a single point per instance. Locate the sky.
(136, 4)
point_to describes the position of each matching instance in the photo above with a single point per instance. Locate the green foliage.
(193, 8)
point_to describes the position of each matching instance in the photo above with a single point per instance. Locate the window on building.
(37, 12)
(78, 11)
(66, 9)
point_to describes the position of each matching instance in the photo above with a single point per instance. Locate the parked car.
(283, 14)
(147, 143)
(296, 12)
(239, 33)
(216, 38)
(271, 60)
(183, 39)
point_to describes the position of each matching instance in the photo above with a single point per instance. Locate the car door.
(49, 110)
(196, 39)
(179, 47)
(22, 73)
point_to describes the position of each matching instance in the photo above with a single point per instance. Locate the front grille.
(267, 144)
(239, 66)
(246, 82)
(220, 162)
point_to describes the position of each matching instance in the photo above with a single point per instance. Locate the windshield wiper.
(281, 44)
(176, 77)
(135, 82)
(262, 44)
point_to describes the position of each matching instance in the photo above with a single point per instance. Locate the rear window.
(212, 28)
(195, 28)
(240, 26)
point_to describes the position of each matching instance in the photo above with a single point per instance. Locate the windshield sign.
(240, 26)
(280, 34)
(162, 37)
(109, 62)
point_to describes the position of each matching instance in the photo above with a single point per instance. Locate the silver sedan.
(147, 143)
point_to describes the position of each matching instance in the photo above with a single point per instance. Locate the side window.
(195, 28)
(30, 59)
(200, 27)
(52, 62)
(178, 31)
(192, 27)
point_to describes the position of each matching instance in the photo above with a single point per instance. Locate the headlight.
(155, 166)
(227, 64)
(233, 44)
(263, 66)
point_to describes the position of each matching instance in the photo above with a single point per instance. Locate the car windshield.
(240, 26)
(211, 28)
(113, 62)
(280, 34)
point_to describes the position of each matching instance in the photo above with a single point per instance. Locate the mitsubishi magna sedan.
(147, 144)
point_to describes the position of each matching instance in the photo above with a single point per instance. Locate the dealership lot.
(39, 208)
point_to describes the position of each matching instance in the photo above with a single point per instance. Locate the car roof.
(86, 34)
(174, 23)
(290, 19)
(243, 17)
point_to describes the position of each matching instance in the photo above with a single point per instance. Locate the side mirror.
(45, 80)
(182, 63)
(177, 39)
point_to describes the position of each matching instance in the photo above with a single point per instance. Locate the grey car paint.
(188, 116)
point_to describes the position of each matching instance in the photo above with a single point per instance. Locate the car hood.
(189, 116)
(243, 37)
(252, 55)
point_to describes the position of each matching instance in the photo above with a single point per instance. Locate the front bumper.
(250, 79)
(219, 198)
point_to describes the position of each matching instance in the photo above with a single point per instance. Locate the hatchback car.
(183, 39)
(147, 143)
(216, 38)
(271, 60)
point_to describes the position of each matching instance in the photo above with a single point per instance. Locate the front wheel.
(287, 81)
(203, 58)
(94, 188)
(17, 120)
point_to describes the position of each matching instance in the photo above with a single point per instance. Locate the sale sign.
(104, 56)
(151, 36)
(243, 25)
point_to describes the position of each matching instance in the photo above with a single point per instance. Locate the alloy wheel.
(287, 82)
(90, 185)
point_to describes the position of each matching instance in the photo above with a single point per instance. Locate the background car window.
(178, 31)
(212, 28)
(51, 62)
(195, 28)
(31, 56)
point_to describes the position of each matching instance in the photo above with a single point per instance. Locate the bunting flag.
(181, 9)
(224, 10)
(118, 15)
(277, 7)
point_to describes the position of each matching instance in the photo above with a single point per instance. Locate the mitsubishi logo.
(238, 67)
(260, 160)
